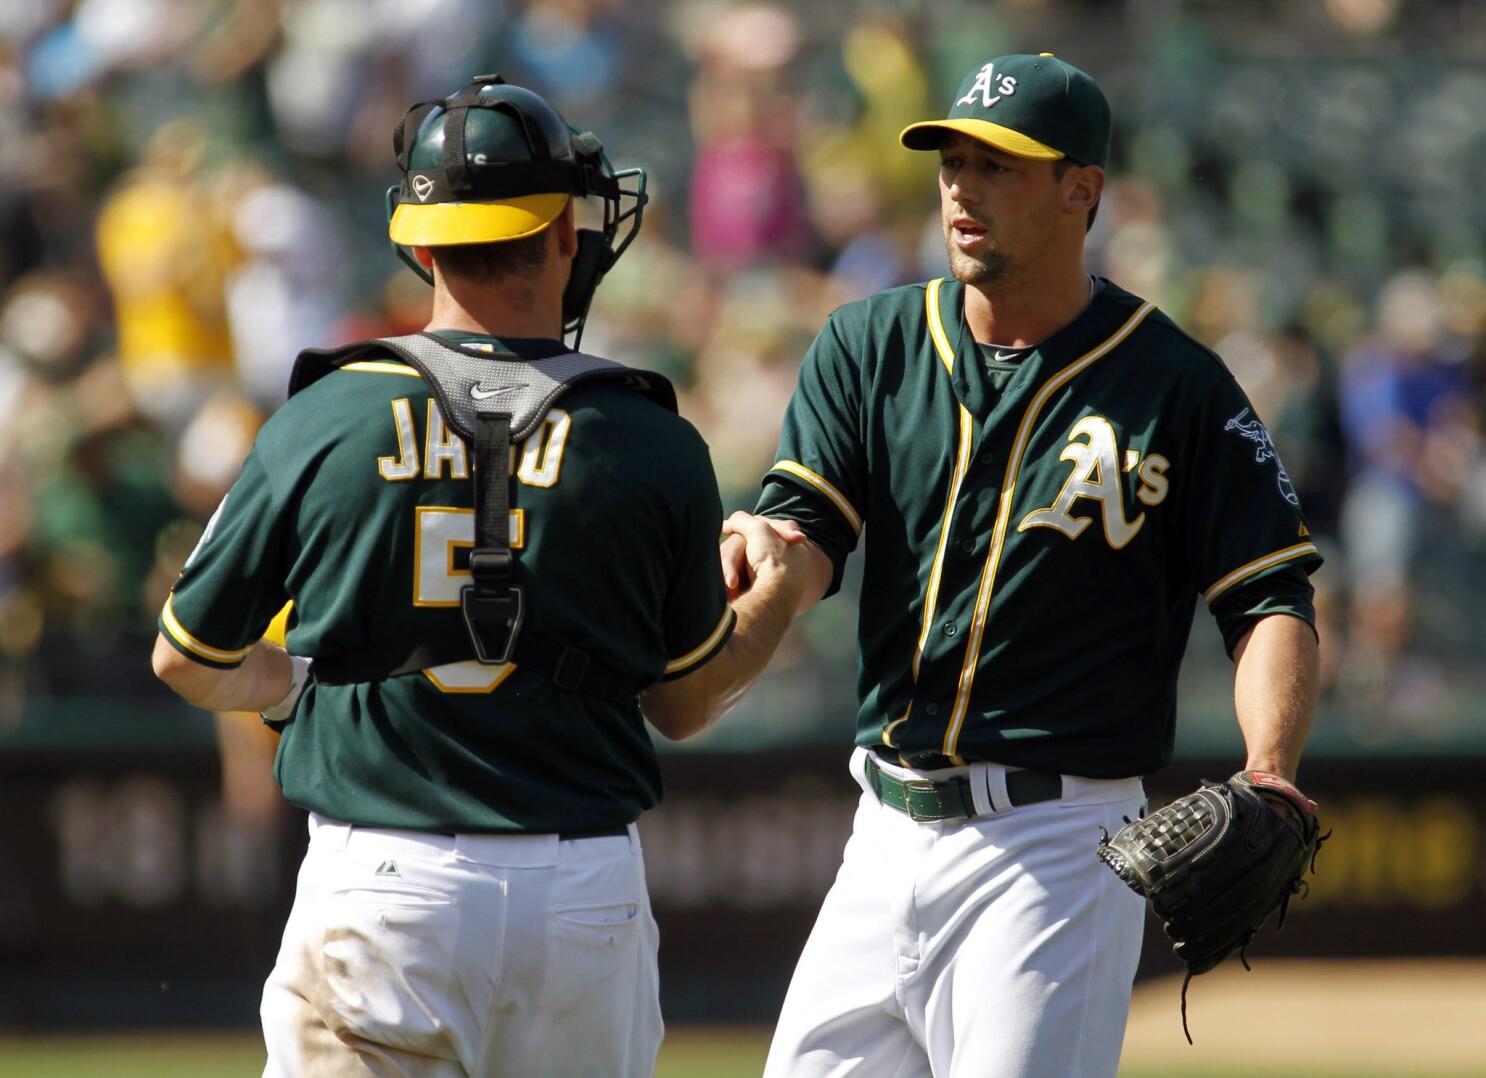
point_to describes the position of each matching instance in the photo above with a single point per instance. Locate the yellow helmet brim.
(447, 224)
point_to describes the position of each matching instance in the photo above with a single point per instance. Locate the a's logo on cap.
(422, 187)
(985, 83)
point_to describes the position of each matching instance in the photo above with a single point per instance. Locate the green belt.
(950, 799)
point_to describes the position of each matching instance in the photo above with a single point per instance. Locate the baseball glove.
(1216, 863)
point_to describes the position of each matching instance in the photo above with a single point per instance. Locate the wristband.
(299, 678)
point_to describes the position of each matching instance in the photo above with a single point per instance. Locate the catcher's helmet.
(495, 162)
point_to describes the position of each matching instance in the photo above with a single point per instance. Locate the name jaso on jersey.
(444, 452)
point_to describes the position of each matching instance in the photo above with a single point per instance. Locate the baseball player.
(1051, 474)
(491, 616)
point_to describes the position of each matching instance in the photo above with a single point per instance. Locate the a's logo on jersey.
(1097, 469)
(986, 82)
(422, 187)
(1252, 427)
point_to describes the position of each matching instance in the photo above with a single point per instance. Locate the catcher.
(469, 739)
(1216, 863)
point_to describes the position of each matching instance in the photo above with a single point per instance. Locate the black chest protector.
(490, 399)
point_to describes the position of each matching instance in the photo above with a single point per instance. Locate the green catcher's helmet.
(494, 163)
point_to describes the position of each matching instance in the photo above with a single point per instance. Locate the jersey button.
(967, 545)
(931, 709)
(950, 628)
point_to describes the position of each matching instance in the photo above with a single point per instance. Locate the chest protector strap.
(490, 399)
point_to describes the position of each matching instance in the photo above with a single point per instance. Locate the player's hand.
(734, 564)
(752, 545)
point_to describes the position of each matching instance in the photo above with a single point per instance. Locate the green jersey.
(356, 504)
(1042, 522)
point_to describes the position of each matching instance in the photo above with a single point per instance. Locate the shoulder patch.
(1247, 425)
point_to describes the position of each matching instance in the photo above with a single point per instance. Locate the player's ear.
(1083, 186)
(566, 231)
(424, 257)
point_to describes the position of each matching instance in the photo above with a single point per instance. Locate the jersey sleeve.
(231, 586)
(819, 478)
(1244, 531)
(698, 620)
(1285, 589)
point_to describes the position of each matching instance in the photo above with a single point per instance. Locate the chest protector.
(490, 399)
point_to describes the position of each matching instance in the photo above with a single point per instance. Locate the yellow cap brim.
(927, 136)
(447, 224)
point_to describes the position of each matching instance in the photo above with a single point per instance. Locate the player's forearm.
(764, 615)
(257, 684)
(817, 574)
(684, 708)
(1275, 685)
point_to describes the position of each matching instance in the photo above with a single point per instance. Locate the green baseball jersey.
(356, 503)
(1040, 528)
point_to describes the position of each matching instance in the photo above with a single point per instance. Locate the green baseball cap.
(1031, 106)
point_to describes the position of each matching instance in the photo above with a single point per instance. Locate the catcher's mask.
(495, 162)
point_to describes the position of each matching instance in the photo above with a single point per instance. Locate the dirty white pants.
(412, 954)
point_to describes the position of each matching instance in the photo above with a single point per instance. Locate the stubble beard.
(990, 268)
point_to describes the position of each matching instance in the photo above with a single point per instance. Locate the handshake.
(761, 554)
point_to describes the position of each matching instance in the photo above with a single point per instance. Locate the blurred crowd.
(192, 191)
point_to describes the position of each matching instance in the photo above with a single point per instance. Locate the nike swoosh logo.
(485, 394)
(1002, 357)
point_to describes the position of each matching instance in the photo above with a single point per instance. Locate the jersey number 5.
(442, 542)
(444, 536)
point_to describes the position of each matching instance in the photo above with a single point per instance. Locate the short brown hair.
(1060, 169)
(492, 261)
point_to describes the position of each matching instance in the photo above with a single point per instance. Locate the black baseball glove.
(1216, 863)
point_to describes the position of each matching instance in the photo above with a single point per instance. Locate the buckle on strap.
(493, 621)
(491, 566)
(921, 800)
(925, 801)
(571, 669)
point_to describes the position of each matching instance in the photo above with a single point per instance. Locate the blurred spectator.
(747, 198)
(576, 48)
(165, 253)
(282, 297)
(1406, 411)
(190, 193)
(746, 371)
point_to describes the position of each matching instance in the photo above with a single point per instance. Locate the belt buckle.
(923, 785)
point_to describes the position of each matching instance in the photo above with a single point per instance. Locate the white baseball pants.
(996, 947)
(412, 954)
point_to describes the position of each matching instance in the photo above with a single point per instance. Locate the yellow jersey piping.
(1258, 565)
(705, 648)
(820, 483)
(962, 464)
(1003, 514)
(936, 325)
(196, 647)
(946, 353)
